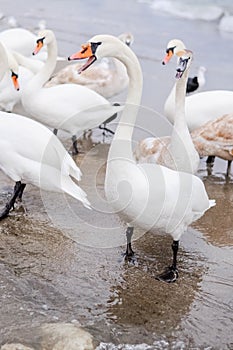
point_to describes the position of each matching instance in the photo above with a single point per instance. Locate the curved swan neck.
(180, 92)
(45, 73)
(126, 124)
(4, 61)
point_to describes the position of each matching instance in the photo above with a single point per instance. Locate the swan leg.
(75, 145)
(104, 128)
(129, 251)
(171, 274)
(210, 160)
(228, 167)
(55, 131)
(18, 191)
(21, 192)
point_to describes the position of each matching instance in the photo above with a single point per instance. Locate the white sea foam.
(157, 345)
(192, 11)
(226, 24)
(187, 11)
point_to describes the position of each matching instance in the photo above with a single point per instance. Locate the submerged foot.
(169, 276)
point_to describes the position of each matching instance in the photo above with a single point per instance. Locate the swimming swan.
(70, 107)
(151, 196)
(176, 152)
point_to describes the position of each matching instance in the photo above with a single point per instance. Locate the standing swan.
(176, 152)
(202, 106)
(147, 195)
(69, 107)
(31, 153)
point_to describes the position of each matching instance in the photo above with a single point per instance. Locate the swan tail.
(70, 168)
(212, 203)
(69, 187)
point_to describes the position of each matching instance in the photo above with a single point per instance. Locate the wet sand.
(53, 266)
(49, 277)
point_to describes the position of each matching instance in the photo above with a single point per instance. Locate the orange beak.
(39, 45)
(14, 78)
(168, 56)
(86, 52)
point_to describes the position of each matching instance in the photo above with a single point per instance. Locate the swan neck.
(4, 62)
(45, 73)
(127, 121)
(180, 121)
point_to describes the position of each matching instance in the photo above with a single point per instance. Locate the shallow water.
(58, 271)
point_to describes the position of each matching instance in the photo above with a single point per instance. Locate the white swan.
(176, 152)
(107, 77)
(27, 62)
(46, 164)
(20, 40)
(9, 97)
(200, 107)
(196, 82)
(147, 195)
(69, 107)
(8, 74)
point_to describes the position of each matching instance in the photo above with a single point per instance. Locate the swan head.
(184, 61)
(174, 46)
(45, 37)
(98, 47)
(8, 63)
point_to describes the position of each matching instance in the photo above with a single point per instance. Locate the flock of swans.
(154, 186)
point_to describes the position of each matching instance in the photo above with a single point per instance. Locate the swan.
(27, 62)
(215, 138)
(70, 107)
(150, 196)
(202, 106)
(176, 152)
(20, 40)
(196, 82)
(107, 77)
(8, 73)
(46, 165)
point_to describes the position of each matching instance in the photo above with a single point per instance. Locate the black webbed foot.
(18, 192)
(170, 275)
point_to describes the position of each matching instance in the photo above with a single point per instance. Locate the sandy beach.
(57, 266)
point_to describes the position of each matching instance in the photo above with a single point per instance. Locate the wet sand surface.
(62, 263)
(48, 277)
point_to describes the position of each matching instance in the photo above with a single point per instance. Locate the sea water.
(220, 11)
